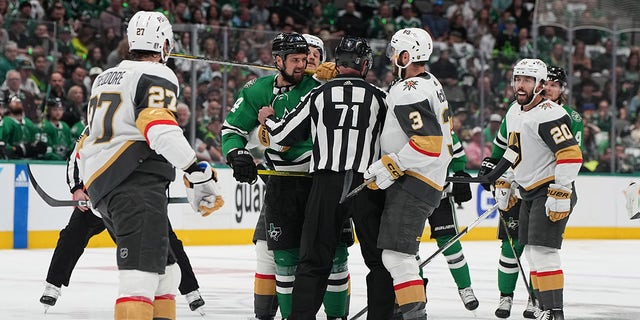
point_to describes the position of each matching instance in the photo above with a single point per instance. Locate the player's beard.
(523, 101)
(294, 78)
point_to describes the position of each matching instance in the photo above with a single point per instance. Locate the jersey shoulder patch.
(545, 105)
(249, 83)
(575, 115)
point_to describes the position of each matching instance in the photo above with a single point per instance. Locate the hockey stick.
(515, 254)
(267, 172)
(507, 160)
(509, 157)
(444, 247)
(53, 202)
(229, 63)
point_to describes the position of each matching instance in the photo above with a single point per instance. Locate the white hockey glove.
(558, 205)
(504, 193)
(203, 192)
(386, 171)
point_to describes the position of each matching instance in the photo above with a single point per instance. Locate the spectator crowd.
(52, 51)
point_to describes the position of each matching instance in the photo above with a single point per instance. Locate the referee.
(344, 118)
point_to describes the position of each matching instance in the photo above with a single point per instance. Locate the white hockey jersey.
(548, 150)
(131, 119)
(417, 128)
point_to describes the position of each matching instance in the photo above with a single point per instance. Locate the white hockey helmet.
(149, 31)
(534, 68)
(318, 43)
(417, 42)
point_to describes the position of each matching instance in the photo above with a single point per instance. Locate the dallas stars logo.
(410, 84)
(512, 223)
(274, 232)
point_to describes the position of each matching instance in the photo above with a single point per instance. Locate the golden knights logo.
(274, 232)
(545, 105)
(409, 84)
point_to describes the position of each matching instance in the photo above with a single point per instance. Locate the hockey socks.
(508, 267)
(336, 296)
(133, 308)
(164, 307)
(265, 301)
(286, 262)
(407, 283)
(457, 263)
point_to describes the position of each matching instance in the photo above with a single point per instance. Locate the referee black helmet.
(355, 53)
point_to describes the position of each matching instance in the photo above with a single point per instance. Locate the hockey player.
(444, 226)
(508, 270)
(265, 302)
(344, 115)
(285, 197)
(82, 226)
(545, 170)
(127, 161)
(413, 167)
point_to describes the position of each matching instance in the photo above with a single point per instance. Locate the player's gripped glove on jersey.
(558, 203)
(244, 168)
(488, 164)
(203, 192)
(461, 192)
(386, 171)
(326, 71)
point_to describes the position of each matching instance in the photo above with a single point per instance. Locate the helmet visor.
(391, 51)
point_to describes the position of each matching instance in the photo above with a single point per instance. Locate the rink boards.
(26, 221)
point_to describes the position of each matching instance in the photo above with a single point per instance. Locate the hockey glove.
(244, 168)
(504, 195)
(326, 71)
(203, 192)
(488, 164)
(386, 171)
(19, 151)
(461, 192)
(558, 205)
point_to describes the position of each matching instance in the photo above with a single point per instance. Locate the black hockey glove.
(488, 164)
(461, 191)
(19, 151)
(244, 168)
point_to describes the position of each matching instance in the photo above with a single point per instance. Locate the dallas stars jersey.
(417, 128)
(59, 140)
(130, 120)
(243, 118)
(548, 150)
(16, 132)
(458, 157)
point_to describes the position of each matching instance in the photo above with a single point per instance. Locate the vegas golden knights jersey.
(131, 118)
(417, 128)
(548, 150)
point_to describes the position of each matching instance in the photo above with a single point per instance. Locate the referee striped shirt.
(344, 118)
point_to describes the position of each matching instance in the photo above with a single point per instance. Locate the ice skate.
(195, 301)
(468, 298)
(550, 315)
(50, 296)
(504, 307)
